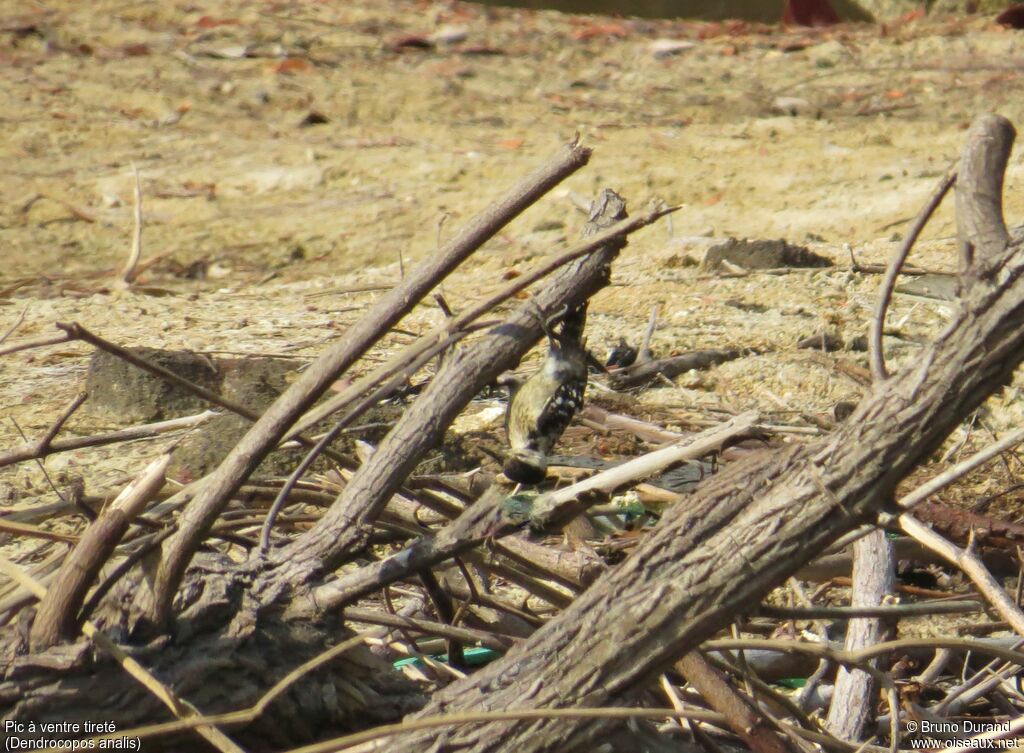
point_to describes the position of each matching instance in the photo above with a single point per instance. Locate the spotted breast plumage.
(541, 409)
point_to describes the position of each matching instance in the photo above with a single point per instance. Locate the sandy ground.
(260, 223)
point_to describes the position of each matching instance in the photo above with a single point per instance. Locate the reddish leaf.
(135, 50)
(513, 143)
(911, 16)
(736, 26)
(291, 65)
(209, 22)
(590, 31)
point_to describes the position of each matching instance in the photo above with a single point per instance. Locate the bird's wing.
(558, 411)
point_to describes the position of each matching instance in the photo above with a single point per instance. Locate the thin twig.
(429, 627)
(877, 357)
(56, 618)
(41, 343)
(445, 720)
(325, 441)
(130, 270)
(76, 496)
(860, 656)
(35, 532)
(14, 326)
(645, 346)
(558, 507)
(57, 425)
(471, 314)
(885, 611)
(146, 431)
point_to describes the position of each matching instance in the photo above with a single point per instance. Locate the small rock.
(313, 118)
(940, 287)
(229, 52)
(827, 54)
(858, 344)
(762, 254)
(821, 341)
(792, 106)
(663, 48)
(130, 394)
(449, 35)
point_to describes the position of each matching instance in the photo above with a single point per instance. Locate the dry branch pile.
(225, 611)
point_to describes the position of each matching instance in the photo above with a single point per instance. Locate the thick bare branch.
(308, 388)
(742, 533)
(56, 619)
(344, 528)
(743, 716)
(484, 519)
(33, 450)
(853, 700)
(979, 193)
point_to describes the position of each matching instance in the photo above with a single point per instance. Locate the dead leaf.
(137, 50)
(291, 65)
(481, 50)
(591, 31)
(209, 22)
(409, 42)
(919, 13)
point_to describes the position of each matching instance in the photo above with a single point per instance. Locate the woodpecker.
(543, 406)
